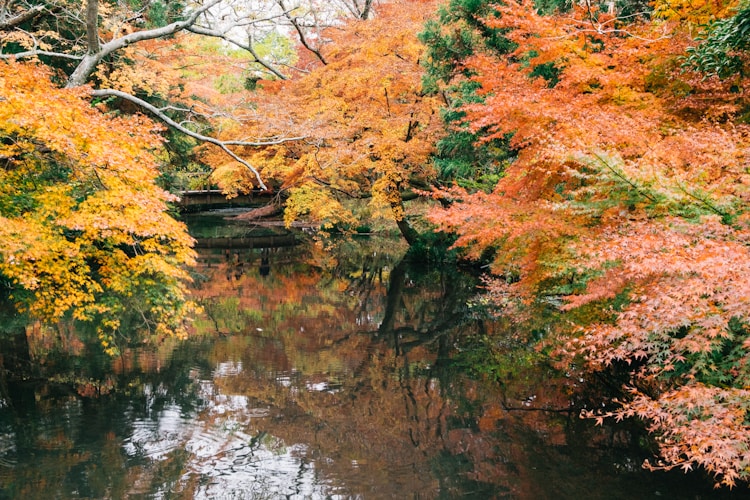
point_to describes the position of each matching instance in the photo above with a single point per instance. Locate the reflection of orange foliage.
(489, 419)
(365, 399)
(146, 359)
(295, 303)
(44, 338)
(357, 400)
(95, 389)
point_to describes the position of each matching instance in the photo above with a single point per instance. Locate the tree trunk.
(92, 26)
(258, 213)
(366, 11)
(409, 233)
(15, 355)
(93, 48)
(394, 299)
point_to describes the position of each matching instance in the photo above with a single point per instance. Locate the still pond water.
(336, 373)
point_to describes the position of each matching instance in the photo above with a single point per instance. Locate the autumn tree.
(368, 127)
(118, 48)
(133, 57)
(624, 210)
(86, 231)
(138, 60)
(454, 35)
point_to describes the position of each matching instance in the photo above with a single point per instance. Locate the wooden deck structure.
(214, 198)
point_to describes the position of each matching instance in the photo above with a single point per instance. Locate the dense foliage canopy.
(85, 229)
(625, 209)
(594, 154)
(366, 129)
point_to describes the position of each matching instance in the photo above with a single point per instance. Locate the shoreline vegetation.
(591, 158)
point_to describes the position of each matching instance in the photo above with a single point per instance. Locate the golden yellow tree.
(85, 229)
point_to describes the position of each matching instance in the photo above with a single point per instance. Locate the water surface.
(317, 373)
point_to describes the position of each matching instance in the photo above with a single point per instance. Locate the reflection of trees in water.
(375, 341)
(376, 334)
(238, 259)
(265, 262)
(60, 441)
(390, 408)
(416, 314)
(340, 362)
(371, 386)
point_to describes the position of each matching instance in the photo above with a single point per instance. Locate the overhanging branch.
(36, 53)
(92, 58)
(302, 38)
(200, 30)
(21, 18)
(224, 145)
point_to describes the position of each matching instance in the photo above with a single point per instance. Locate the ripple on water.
(226, 456)
(154, 438)
(7, 450)
(256, 467)
(228, 369)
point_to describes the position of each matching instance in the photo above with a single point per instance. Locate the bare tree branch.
(91, 59)
(195, 135)
(302, 37)
(36, 52)
(366, 10)
(92, 27)
(200, 30)
(21, 18)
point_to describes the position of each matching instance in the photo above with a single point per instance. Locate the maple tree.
(368, 129)
(624, 209)
(119, 49)
(86, 230)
